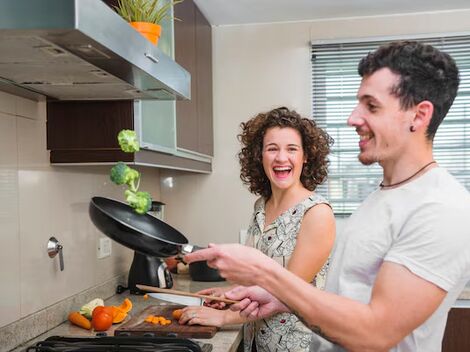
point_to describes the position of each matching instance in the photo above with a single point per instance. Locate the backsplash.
(39, 200)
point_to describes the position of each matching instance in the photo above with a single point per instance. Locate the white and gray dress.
(281, 332)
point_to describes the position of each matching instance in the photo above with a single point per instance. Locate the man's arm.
(400, 302)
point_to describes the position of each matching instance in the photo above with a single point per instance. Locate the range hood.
(81, 50)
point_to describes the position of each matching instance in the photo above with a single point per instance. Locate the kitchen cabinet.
(175, 135)
(193, 44)
(456, 336)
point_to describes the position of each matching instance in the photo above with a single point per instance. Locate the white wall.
(256, 68)
(38, 201)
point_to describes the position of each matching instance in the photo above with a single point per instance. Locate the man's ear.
(423, 114)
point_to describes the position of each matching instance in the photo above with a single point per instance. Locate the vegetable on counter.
(77, 319)
(157, 319)
(177, 313)
(87, 309)
(102, 318)
(121, 174)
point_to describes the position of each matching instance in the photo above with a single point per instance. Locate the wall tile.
(7, 103)
(9, 239)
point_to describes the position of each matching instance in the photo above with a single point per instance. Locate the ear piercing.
(412, 128)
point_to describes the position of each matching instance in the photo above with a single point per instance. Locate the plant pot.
(151, 31)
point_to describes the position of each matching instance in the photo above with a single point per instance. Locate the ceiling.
(234, 12)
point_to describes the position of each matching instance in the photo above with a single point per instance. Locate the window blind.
(335, 82)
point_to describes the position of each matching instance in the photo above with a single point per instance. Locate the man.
(404, 255)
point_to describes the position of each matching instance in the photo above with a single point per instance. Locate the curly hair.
(425, 74)
(316, 145)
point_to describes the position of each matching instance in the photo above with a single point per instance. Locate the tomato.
(102, 318)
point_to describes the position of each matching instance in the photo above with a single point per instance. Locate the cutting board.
(137, 326)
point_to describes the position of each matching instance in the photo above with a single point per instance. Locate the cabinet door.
(156, 120)
(204, 84)
(456, 335)
(185, 55)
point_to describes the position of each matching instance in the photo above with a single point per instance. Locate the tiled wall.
(38, 201)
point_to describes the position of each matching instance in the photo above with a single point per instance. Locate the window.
(335, 83)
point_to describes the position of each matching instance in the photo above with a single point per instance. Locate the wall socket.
(104, 247)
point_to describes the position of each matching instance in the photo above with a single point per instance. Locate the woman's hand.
(200, 315)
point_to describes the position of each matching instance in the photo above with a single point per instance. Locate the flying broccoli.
(140, 201)
(122, 174)
(128, 141)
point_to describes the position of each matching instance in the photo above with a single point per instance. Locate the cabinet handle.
(151, 58)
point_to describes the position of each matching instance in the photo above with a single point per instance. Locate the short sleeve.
(434, 244)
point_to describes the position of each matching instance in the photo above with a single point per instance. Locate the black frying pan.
(142, 233)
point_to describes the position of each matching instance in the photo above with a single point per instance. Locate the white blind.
(335, 82)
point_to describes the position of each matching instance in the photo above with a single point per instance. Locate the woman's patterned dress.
(284, 331)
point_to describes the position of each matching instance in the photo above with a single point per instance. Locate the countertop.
(226, 339)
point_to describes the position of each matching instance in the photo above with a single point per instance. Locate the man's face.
(383, 127)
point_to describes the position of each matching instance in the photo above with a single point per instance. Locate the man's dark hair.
(426, 73)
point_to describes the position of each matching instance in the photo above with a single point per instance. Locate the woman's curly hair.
(315, 143)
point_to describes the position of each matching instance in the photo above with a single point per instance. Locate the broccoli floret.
(140, 201)
(122, 174)
(128, 141)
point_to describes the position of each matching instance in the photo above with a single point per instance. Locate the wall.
(256, 68)
(38, 201)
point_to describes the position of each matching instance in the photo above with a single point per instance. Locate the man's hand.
(240, 264)
(255, 302)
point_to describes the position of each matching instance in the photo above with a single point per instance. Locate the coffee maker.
(146, 269)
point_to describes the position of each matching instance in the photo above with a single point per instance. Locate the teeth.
(285, 168)
(364, 137)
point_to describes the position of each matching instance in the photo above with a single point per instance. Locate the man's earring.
(412, 128)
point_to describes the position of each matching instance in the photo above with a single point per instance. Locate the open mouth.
(364, 138)
(282, 171)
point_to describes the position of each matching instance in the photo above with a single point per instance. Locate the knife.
(183, 300)
(168, 293)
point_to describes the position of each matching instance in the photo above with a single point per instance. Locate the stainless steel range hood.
(81, 50)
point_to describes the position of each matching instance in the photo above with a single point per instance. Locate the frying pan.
(143, 233)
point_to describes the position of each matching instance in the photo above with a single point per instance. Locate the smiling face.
(381, 123)
(283, 157)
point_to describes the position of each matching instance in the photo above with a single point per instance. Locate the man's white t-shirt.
(423, 225)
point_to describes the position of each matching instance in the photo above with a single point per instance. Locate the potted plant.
(146, 15)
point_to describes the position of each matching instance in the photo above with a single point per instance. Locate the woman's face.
(283, 157)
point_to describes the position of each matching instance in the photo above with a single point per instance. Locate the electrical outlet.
(104, 247)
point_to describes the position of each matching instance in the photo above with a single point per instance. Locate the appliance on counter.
(81, 50)
(118, 343)
(147, 268)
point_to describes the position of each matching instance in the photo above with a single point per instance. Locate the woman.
(283, 159)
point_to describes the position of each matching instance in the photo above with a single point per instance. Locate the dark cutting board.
(137, 325)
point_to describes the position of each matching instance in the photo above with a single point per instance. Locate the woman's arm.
(314, 242)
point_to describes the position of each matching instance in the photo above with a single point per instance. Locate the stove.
(118, 344)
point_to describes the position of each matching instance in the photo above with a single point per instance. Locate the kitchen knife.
(183, 293)
(184, 300)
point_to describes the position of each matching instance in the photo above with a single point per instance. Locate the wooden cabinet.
(193, 51)
(85, 132)
(457, 333)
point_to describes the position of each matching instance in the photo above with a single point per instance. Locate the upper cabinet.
(81, 50)
(176, 135)
(193, 42)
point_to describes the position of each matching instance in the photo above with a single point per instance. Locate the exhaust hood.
(81, 50)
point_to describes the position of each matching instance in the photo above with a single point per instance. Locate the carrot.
(176, 314)
(79, 320)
